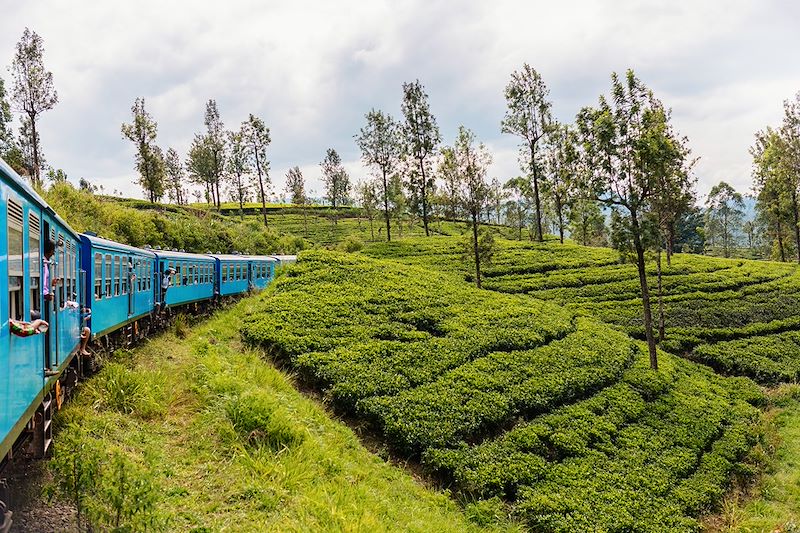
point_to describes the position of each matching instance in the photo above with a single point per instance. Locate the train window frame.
(126, 280)
(116, 273)
(98, 276)
(107, 276)
(34, 262)
(16, 278)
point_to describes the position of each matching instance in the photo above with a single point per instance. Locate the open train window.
(126, 275)
(16, 271)
(116, 275)
(34, 236)
(98, 276)
(107, 276)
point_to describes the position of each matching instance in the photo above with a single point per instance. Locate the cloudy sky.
(312, 70)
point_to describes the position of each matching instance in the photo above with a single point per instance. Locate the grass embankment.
(512, 399)
(201, 434)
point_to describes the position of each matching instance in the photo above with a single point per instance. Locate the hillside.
(195, 432)
(738, 316)
(510, 397)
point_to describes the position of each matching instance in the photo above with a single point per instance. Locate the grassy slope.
(229, 444)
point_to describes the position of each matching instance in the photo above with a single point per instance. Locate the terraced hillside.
(740, 317)
(509, 398)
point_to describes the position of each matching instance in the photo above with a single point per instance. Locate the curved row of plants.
(511, 399)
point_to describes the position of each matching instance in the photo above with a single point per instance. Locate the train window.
(98, 276)
(15, 266)
(116, 275)
(107, 276)
(61, 268)
(196, 274)
(34, 232)
(149, 275)
(126, 276)
(224, 272)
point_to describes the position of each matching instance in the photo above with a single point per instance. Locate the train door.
(49, 315)
(130, 278)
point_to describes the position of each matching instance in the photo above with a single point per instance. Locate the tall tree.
(586, 221)
(216, 146)
(448, 172)
(529, 117)
(472, 162)
(773, 186)
(381, 148)
(368, 198)
(617, 138)
(175, 174)
(6, 134)
(200, 165)
(258, 139)
(725, 214)
(790, 159)
(421, 139)
(296, 187)
(142, 131)
(33, 92)
(336, 180)
(517, 207)
(238, 167)
(561, 162)
(29, 157)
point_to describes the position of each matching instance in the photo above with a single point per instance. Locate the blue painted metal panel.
(23, 360)
(193, 280)
(119, 283)
(232, 274)
(262, 270)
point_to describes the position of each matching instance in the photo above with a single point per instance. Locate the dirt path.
(33, 513)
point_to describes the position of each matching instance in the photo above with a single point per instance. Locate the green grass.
(509, 397)
(213, 438)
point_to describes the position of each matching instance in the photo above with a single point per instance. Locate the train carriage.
(193, 279)
(262, 270)
(121, 283)
(31, 366)
(233, 274)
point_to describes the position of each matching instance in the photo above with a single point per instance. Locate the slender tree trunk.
(386, 207)
(560, 220)
(660, 298)
(261, 187)
(475, 249)
(648, 318)
(780, 240)
(796, 223)
(219, 199)
(534, 167)
(670, 242)
(371, 228)
(37, 172)
(424, 197)
(241, 200)
(305, 221)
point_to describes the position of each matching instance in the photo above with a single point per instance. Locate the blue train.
(121, 287)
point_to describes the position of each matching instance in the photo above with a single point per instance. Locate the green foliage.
(508, 397)
(351, 243)
(120, 389)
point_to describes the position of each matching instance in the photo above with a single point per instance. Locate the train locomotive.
(113, 288)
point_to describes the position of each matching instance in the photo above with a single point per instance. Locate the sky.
(312, 69)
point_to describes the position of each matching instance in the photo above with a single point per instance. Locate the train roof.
(231, 257)
(285, 258)
(19, 183)
(100, 242)
(184, 256)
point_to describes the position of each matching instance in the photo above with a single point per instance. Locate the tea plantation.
(515, 399)
(737, 316)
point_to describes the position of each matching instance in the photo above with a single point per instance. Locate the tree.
(7, 142)
(295, 186)
(725, 214)
(772, 186)
(175, 173)
(257, 136)
(336, 180)
(56, 176)
(448, 171)
(380, 146)
(29, 157)
(142, 131)
(200, 165)
(529, 117)
(561, 162)
(238, 167)
(421, 138)
(471, 163)
(516, 207)
(368, 197)
(618, 145)
(33, 92)
(587, 225)
(216, 146)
